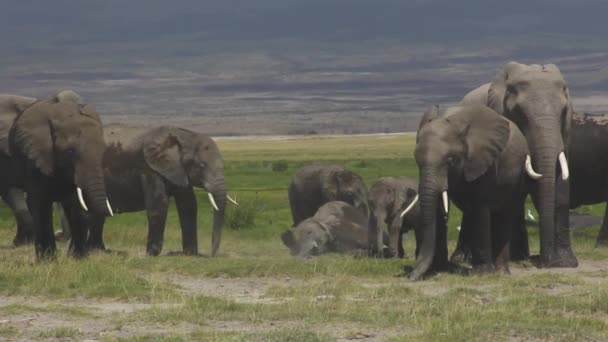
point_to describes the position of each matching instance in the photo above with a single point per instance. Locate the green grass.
(254, 291)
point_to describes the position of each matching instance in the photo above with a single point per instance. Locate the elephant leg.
(602, 237)
(157, 203)
(78, 227)
(395, 237)
(15, 199)
(440, 260)
(65, 232)
(185, 201)
(481, 246)
(41, 208)
(502, 224)
(95, 240)
(462, 253)
(564, 255)
(519, 246)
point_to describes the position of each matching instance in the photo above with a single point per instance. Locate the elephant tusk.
(409, 207)
(563, 164)
(81, 198)
(232, 200)
(212, 200)
(445, 201)
(109, 207)
(529, 170)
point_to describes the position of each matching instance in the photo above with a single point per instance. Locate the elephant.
(392, 201)
(475, 157)
(143, 168)
(13, 196)
(57, 145)
(316, 184)
(537, 100)
(337, 227)
(589, 165)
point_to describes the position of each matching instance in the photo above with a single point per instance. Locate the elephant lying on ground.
(537, 100)
(337, 227)
(476, 157)
(392, 201)
(316, 184)
(10, 107)
(57, 145)
(144, 168)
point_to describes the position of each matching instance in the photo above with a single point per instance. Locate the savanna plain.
(255, 291)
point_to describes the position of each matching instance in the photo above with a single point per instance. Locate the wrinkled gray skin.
(316, 184)
(589, 165)
(536, 99)
(337, 227)
(10, 107)
(388, 197)
(478, 157)
(143, 168)
(58, 145)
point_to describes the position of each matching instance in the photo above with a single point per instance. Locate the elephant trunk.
(92, 193)
(375, 242)
(429, 192)
(218, 193)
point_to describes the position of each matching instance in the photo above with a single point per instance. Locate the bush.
(243, 216)
(280, 166)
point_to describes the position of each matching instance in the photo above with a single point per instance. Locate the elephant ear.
(428, 116)
(485, 134)
(162, 152)
(496, 91)
(32, 137)
(10, 107)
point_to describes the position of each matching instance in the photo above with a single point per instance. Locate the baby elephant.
(336, 227)
(392, 201)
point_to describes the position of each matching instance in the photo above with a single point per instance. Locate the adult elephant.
(13, 196)
(58, 146)
(476, 157)
(337, 227)
(316, 184)
(393, 201)
(143, 168)
(589, 165)
(536, 99)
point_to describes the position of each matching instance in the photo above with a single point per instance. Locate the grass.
(254, 291)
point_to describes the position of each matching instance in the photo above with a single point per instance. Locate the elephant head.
(10, 107)
(462, 142)
(390, 202)
(310, 238)
(186, 158)
(536, 99)
(61, 139)
(346, 186)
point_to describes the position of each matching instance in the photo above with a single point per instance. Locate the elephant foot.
(565, 259)
(460, 256)
(45, 254)
(22, 240)
(483, 269)
(601, 242)
(154, 249)
(60, 235)
(99, 246)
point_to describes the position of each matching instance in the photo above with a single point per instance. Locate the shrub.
(243, 216)
(280, 166)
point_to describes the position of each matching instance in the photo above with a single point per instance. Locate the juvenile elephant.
(10, 107)
(316, 184)
(537, 100)
(57, 145)
(589, 164)
(392, 201)
(144, 168)
(337, 227)
(476, 157)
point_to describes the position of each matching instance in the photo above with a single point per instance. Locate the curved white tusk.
(529, 170)
(232, 200)
(81, 198)
(563, 164)
(213, 202)
(409, 207)
(109, 207)
(445, 201)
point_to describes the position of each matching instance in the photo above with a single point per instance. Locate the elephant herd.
(57, 150)
(515, 136)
